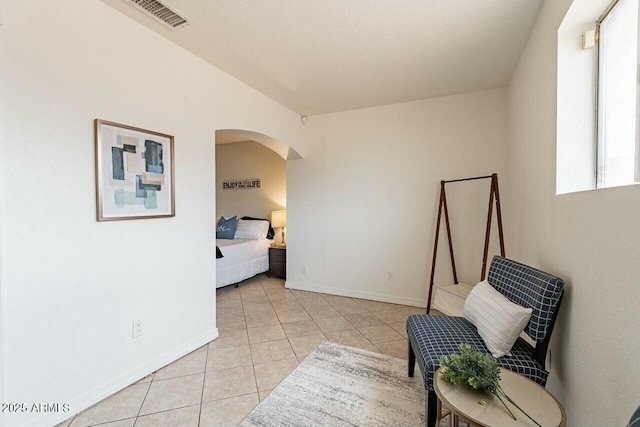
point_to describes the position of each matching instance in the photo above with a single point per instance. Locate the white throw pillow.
(499, 321)
(250, 229)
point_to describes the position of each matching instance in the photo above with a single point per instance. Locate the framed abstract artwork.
(134, 173)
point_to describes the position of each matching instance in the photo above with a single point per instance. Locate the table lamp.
(279, 220)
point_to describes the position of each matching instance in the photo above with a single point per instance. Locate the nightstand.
(278, 261)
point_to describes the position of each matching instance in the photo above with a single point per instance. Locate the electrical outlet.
(138, 329)
(305, 269)
(390, 276)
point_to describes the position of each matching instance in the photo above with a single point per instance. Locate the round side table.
(486, 410)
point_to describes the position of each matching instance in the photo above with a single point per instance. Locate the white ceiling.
(325, 56)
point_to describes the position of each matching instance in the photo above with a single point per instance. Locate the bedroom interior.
(368, 115)
(243, 253)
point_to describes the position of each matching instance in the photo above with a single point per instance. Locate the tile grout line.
(295, 356)
(334, 308)
(227, 398)
(343, 315)
(253, 364)
(145, 397)
(204, 379)
(145, 415)
(305, 310)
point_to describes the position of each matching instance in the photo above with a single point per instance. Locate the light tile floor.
(265, 331)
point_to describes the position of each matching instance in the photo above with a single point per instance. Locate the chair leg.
(412, 360)
(432, 409)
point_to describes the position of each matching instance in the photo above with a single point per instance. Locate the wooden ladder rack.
(494, 196)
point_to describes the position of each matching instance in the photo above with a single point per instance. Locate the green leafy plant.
(477, 371)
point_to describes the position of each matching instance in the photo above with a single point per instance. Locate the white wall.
(71, 286)
(364, 200)
(576, 133)
(249, 159)
(588, 238)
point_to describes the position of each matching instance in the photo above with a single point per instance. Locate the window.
(618, 94)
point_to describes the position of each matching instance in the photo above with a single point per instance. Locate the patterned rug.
(338, 386)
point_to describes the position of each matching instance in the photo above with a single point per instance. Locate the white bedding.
(242, 259)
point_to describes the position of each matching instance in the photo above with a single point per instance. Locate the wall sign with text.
(239, 184)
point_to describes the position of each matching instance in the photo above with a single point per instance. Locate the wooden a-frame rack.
(494, 196)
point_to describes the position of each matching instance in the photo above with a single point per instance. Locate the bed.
(242, 259)
(238, 259)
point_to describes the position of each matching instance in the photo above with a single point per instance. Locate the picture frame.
(134, 172)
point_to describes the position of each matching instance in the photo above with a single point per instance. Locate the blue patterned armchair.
(433, 336)
(635, 419)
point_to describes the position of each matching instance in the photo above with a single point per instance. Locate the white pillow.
(499, 321)
(250, 229)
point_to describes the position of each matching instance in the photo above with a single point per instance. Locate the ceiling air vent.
(161, 12)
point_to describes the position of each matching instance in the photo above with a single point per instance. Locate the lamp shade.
(279, 218)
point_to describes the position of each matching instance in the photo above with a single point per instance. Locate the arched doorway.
(250, 185)
(226, 136)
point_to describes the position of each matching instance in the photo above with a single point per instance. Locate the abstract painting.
(134, 173)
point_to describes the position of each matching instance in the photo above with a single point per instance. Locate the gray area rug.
(338, 386)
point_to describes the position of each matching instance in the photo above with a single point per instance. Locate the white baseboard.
(105, 390)
(415, 302)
